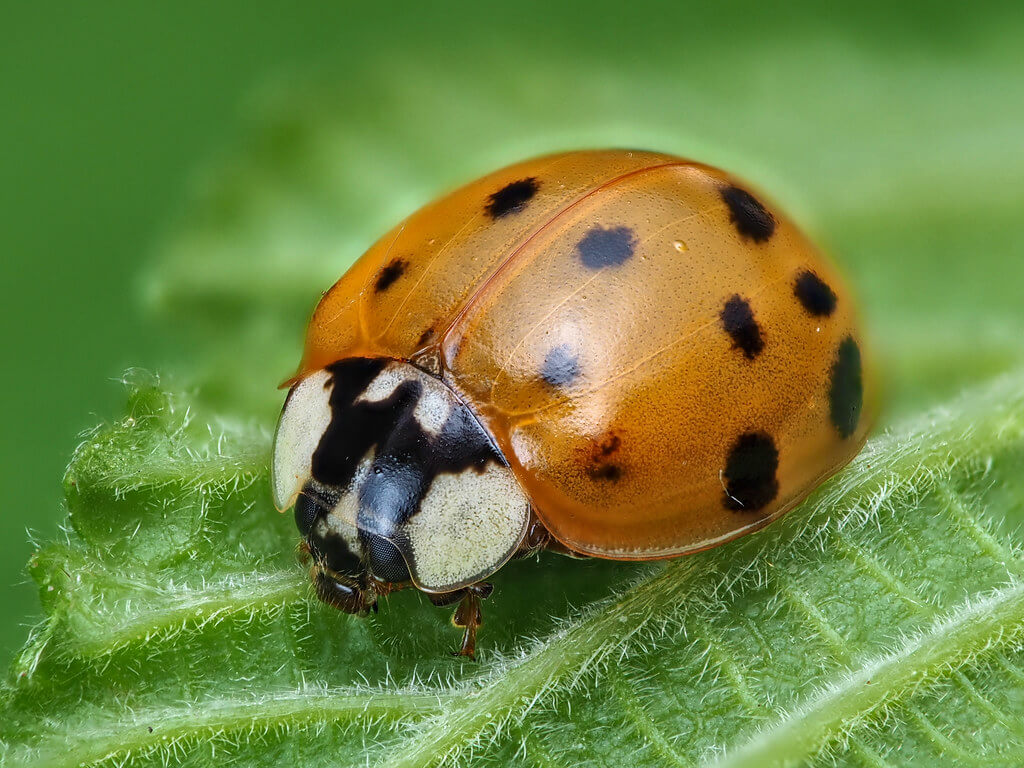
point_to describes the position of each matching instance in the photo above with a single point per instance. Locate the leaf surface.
(883, 613)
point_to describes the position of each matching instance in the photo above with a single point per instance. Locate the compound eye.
(307, 512)
(386, 560)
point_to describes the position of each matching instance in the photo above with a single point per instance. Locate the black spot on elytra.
(609, 446)
(748, 215)
(814, 293)
(611, 472)
(749, 474)
(406, 461)
(738, 321)
(602, 465)
(511, 198)
(606, 247)
(426, 336)
(846, 393)
(561, 367)
(394, 270)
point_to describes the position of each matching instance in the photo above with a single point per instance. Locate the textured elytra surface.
(673, 358)
(877, 625)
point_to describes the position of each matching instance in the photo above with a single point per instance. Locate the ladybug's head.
(323, 452)
(394, 480)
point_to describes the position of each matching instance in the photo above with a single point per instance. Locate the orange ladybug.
(612, 354)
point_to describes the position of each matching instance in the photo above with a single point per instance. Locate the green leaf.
(884, 614)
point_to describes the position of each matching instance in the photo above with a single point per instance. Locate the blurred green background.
(108, 110)
(894, 134)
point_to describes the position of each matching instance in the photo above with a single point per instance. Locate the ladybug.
(613, 354)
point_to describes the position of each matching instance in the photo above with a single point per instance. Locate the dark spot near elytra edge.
(738, 321)
(749, 475)
(606, 247)
(749, 216)
(609, 446)
(846, 393)
(601, 465)
(561, 367)
(511, 198)
(815, 294)
(611, 472)
(394, 270)
(426, 336)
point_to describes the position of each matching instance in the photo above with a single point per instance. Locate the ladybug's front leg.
(467, 614)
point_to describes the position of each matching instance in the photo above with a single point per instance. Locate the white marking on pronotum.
(467, 526)
(306, 417)
(433, 407)
(383, 385)
(433, 410)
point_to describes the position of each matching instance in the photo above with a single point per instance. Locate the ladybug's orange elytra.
(617, 354)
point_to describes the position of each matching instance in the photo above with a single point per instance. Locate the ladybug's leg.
(538, 538)
(446, 598)
(467, 614)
